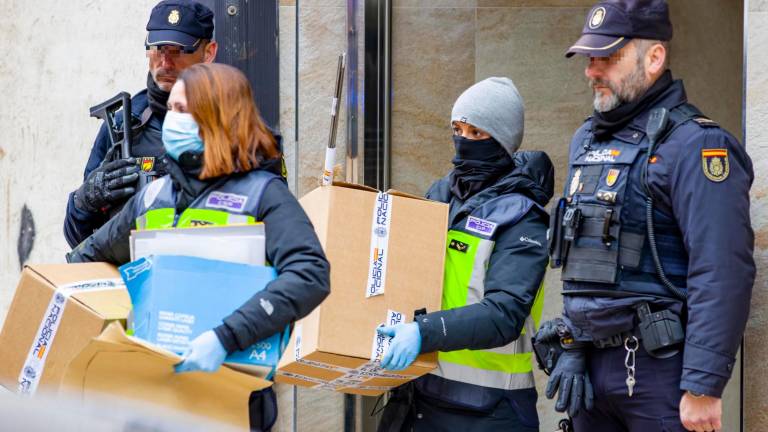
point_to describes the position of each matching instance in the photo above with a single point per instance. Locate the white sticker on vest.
(379, 252)
(480, 226)
(226, 201)
(32, 370)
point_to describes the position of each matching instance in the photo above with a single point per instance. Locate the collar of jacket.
(532, 176)
(671, 98)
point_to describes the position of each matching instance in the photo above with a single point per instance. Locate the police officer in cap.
(653, 235)
(179, 34)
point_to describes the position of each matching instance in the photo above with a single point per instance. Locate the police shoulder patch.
(714, 163)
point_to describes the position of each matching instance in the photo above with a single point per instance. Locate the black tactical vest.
(599, 232)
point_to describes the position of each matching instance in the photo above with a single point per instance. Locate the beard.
(164, 78)
(627, 90)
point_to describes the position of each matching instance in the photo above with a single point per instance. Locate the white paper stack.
(242, 244)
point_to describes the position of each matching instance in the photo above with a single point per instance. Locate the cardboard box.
(387, 254)
(177, 298)
(130, 368)
(55, 312)
(233, 243)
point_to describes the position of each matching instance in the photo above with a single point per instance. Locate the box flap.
(110, 303)
(113, 304)
(405, 195)
(116, 364)
(63, 274)
(354, 186)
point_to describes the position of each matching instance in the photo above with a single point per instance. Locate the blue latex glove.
(205, 354)
(404, 348)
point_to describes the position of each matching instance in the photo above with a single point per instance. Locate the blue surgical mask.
(181, 134)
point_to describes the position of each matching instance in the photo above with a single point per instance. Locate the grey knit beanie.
(495, 106)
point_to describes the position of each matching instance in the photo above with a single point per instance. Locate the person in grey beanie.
(496, 256)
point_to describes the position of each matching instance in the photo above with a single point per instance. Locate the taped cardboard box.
(56, 310)
(130, 368)
(387, 255)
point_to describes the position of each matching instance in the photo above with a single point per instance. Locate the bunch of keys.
(629, 362)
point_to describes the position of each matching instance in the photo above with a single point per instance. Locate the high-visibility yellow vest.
(509, 367)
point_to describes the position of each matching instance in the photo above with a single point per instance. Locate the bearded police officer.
(654, 239)
(179, 34)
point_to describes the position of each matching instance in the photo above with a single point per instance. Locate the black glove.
(546, 343)
(570, 376)
(108, 184)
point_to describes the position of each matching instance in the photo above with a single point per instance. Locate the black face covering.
(157, 98)
(604, 124)
(476, 165)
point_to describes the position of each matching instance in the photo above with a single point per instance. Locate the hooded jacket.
(292, 247)
(517, 264)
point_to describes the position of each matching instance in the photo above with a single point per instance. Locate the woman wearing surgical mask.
(218, 150)
(492, 291)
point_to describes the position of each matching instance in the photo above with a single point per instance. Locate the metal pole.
(296, 105)
(386, 166)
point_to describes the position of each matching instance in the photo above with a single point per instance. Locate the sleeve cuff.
(705, 370)
(432, 328)
(701, 383)
(227, 338)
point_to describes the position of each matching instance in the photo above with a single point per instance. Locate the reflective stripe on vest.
(164, 218)
(507, 367)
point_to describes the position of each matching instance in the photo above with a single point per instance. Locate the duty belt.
(661, 333)
(616, 340)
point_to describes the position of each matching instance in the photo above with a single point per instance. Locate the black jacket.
(516, 267)
(713, 216)
(292, 248)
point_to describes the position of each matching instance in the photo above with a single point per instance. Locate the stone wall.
(756, 350)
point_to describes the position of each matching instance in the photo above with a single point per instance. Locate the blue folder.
(176, 298)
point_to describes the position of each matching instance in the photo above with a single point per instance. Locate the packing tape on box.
(352, 378)
(345, 381)
(33, 367)
(377, 269)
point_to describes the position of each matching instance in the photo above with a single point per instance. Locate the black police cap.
(611, 24)
(179, 22)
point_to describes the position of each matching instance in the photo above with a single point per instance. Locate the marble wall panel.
(538, 3)
(756, 341)
(433, 51)
(758, 5)
(287, 40)
(710, 62)
(321, 3)
(319, 410)
(435, 3)
(527, 45)
(322, 37)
